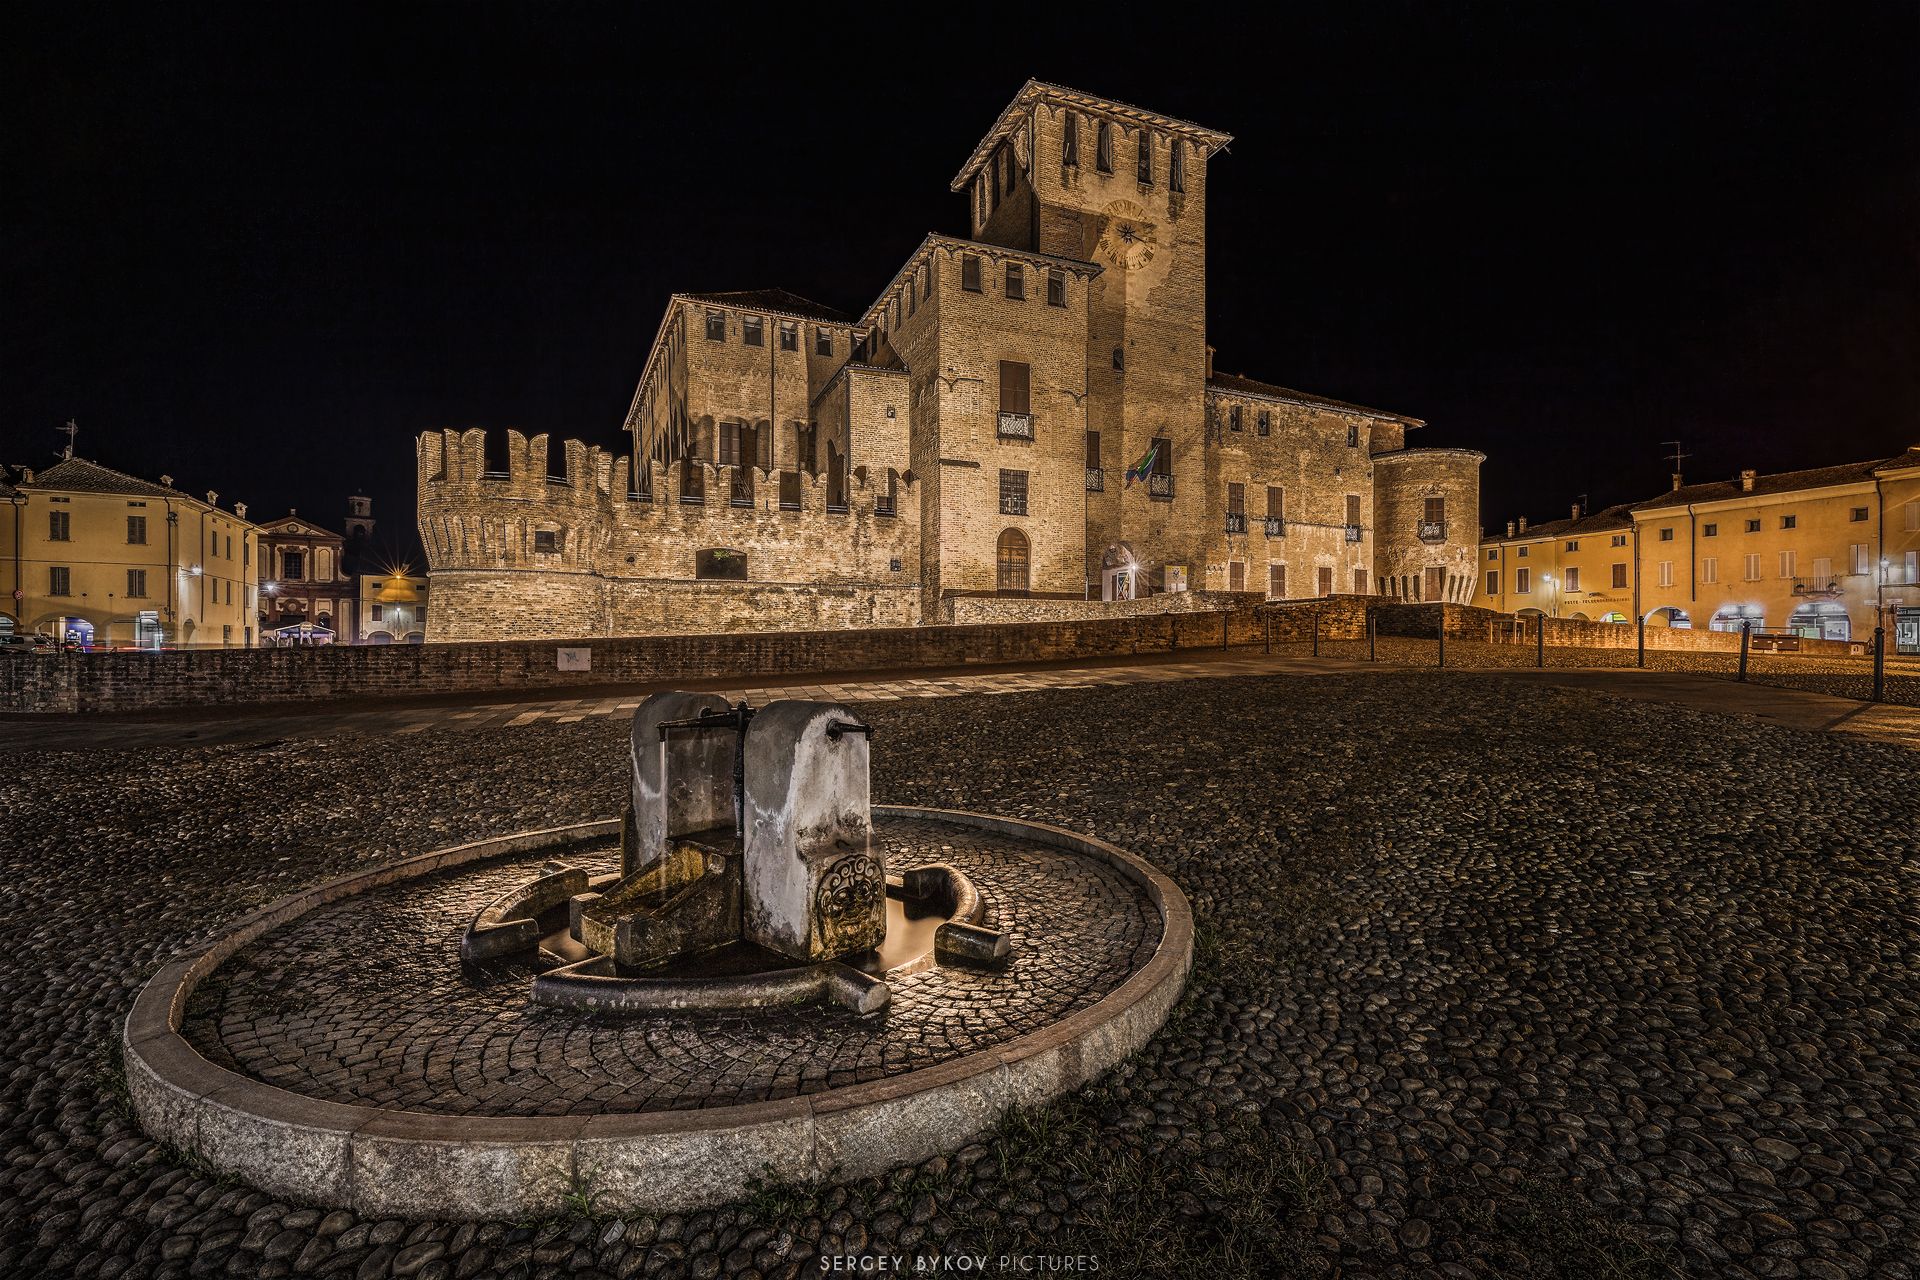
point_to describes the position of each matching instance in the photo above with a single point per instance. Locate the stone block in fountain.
(816, 888)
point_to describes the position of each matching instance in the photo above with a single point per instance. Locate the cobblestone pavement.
(314, 1008)
(1494, 977)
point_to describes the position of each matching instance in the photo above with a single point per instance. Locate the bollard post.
(1879, 664)
(1316, 633)
(1539, 642)
(1370, 635)
(1441, 631)
(1746, 639)
(1224, 615)
(1268, 615)
(1640, 659)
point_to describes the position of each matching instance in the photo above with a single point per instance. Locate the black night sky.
(259, 248)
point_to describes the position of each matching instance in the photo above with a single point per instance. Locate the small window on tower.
(822, 342)
(753, 331)
(1103, 147)
(1143, 166)
(970, 273)
(1119, 359)
(1016, 282)
(1070, 140)
(789, 336)
(716, 326)
(1177, 167)
(1265, 424)
(1233, 417)
(1056, 288)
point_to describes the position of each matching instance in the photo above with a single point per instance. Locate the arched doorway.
(1821, 620)
(1670, 616)
(1012, 560)
(379, 637)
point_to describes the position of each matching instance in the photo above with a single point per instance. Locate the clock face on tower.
(1127, 238)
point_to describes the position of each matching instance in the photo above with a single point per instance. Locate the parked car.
(16, 643)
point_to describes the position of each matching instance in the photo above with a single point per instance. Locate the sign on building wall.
(576, 659)
(1906, 629)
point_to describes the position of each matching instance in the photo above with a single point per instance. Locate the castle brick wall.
(1402, 483)
(625, 567)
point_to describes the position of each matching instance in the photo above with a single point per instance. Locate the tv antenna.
(72, 429)
(1676, 457)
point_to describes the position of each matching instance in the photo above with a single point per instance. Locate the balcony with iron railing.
(1016, 426)
(1160, 485)
(1433, 531)
(1096, 480)
(1236, 522)
(1353, 533)
(1276, 527)
(1825, 587)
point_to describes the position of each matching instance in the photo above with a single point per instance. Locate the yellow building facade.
(1828, 553)
(1580, 567)
(102, 559)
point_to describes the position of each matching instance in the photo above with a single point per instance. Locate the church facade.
(1029, 413)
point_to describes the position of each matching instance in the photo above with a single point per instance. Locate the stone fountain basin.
(387, 1162)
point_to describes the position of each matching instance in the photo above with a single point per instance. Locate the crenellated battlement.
(577, 541)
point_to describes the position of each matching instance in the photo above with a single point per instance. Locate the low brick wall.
(971, 609)
(115, 682)
(1470, 622)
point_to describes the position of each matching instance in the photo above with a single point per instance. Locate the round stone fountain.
(752, 974)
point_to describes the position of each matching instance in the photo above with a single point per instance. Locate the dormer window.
(1103, 146)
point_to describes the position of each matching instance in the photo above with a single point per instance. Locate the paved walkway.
(1792, 707)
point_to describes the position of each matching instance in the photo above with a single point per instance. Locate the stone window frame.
(1666, 534)
(1233, 417)
(789, 335)
(1790, 522)
(753, 331)
(1711, 529)
(1016, 282)
(1103, 146)
(548, 541)
(1143, 159)
(1857, 515)
(970, 274)
(823, 341)
(1070, 140)
(136, 531)
(1177, 167)
(1263, 424)
(716, 325)
(1056, 287)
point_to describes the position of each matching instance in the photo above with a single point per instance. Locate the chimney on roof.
(212, 497)
(1576, 511)
(1509, 528)
(240, 509)
(1523, 524)
(167, 481)
(1746, 481)
(1678, 480)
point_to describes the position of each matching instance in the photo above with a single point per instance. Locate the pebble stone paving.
(1493, 977)
(365, 1001)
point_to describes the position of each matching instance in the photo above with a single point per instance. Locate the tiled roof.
(1250, 387)
(1783, 482)
(1619, 516)
(80, 476)
(780, 300)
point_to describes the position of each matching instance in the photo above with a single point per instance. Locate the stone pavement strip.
(1772, 703)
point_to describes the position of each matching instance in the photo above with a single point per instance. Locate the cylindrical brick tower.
(1426, 523)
